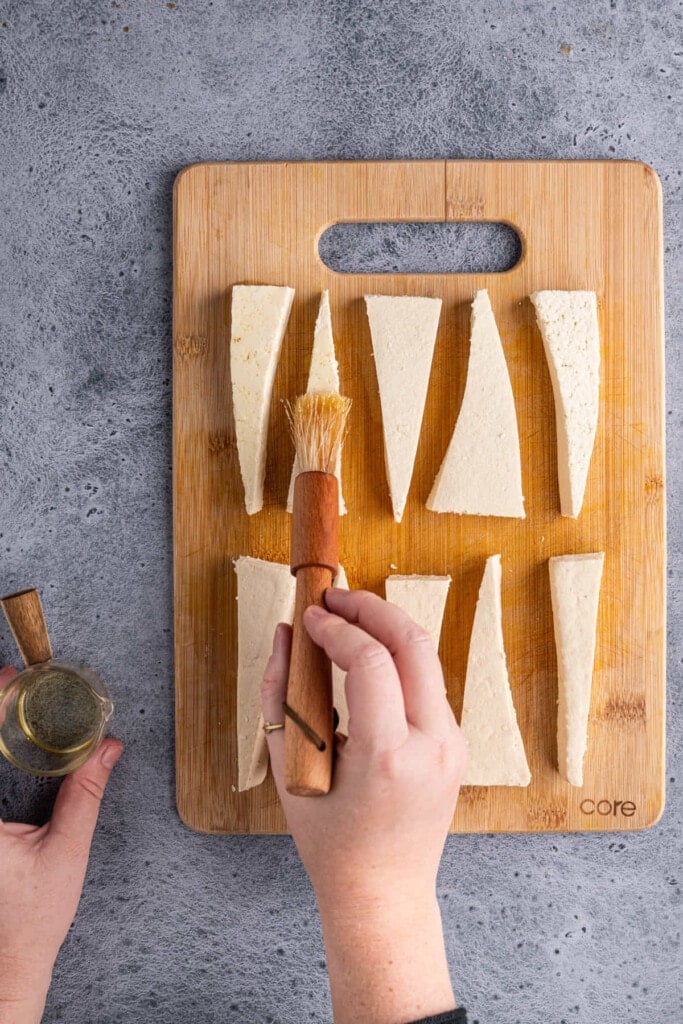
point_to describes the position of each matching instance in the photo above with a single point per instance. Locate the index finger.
(377, 717)
(6, 674)
(412, 650)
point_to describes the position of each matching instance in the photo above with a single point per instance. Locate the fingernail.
(277, 638)
(280, 638)
(314, 611)
(337, 593)
(111, 753)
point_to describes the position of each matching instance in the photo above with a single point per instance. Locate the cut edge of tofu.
(494, 677)
(436, 587)
(575, 668)
(399, 478)
(252, 746)
(454, 489)
(253, 465)
(572, 466)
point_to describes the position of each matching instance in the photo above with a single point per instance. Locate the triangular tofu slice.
(495, 748)
(403, 330)
(568, 322)
(323, 375)
(423, 598)
(575, 591)
(338, 674)
(259, 318)
(265, 596)
(481, 473)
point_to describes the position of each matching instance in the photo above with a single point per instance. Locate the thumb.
(78, 801)
(273, 692)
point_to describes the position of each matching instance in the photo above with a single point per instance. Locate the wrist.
(386, 957)
(23, 990)
(385, 904)
(28, 1010)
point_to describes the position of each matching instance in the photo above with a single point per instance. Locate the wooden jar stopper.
(314, 561)
(24, 613)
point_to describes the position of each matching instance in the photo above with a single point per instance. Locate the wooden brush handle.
(315, 526)
(24, 614)
(308, 770)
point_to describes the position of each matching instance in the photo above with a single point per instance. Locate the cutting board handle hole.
(463, 247)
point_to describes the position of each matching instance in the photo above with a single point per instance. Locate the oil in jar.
(58, 711)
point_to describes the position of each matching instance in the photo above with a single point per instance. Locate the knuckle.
(392, 764)
(371, 656)
(92, 787)
(365, 602)
(271, 682)
(417, 636)
(451, 755)
(444, 754)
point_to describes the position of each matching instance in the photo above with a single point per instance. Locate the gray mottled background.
(100, 105)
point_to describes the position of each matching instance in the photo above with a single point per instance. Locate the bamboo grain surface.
(583, 225)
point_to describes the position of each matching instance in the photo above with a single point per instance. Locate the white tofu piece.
(481, 473)
(568, 322)
(259, 319)
(575, 592)
(423, 598)
(403, 330)
(338, 674)
(265, 596)
(323, 375)
(489, 724)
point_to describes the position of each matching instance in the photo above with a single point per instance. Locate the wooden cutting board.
(594, 226)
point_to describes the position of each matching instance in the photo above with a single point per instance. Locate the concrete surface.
(100, 105)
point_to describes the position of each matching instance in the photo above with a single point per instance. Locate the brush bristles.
(318, 423)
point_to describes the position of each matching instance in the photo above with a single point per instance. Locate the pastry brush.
(318, 422)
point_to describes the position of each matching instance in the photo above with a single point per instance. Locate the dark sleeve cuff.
(458, 1016)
